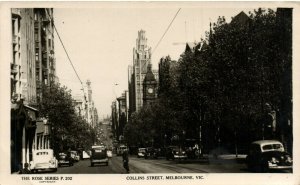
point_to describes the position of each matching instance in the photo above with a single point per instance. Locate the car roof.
(262, 142)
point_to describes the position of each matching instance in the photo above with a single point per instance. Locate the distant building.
(122, 115)
(91, 113)
(114, 119)
(149, 87)
(80, 104)
(137, 72)
(241, 19)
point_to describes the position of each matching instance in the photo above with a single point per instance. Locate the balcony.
(14, 68)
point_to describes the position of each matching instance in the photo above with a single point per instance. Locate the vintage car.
(65, 159)
(152, 153)
(109, 153)
(43, 159)
(175, 152)
(74, 155)
(85, 154)
(267, 155)
(99, 155)
(121, 149)
(141, 152)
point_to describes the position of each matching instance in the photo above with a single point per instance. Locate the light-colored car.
(141, 152)
(43, 160)
(74, 155)
(85, 155)
(109, 153)
(267, 155)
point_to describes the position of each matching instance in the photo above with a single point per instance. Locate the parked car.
(43, 160)
(85, 155)
(266, 155)
(175, 152)
(74, 155)
(153, 153)
(99, 155)
(141, 152)
(65, 159)
(109, 153)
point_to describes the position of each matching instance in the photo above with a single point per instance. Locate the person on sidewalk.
(125, 160)
(25, 170)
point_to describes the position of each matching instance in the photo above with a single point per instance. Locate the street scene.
(133, 90)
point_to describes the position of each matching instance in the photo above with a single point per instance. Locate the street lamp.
(183, 137)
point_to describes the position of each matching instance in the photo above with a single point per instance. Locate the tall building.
(137, 72)
(33, 64)
(80, 104)
(23, 91)
(44, 48)
(45, 67)
(16, 83)
(91, 114)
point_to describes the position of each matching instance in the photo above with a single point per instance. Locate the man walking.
(125, 160)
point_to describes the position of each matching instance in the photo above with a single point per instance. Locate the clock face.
(150, 90)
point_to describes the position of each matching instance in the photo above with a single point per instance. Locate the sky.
(100, 40)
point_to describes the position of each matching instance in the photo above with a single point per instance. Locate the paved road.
(140, 165)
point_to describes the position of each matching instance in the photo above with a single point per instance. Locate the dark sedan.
(64, 159)
(175, 152)
(268, 155)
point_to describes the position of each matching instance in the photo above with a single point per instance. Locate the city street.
(140, 165)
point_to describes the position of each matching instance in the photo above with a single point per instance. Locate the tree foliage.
(69, 130)
(223, 88)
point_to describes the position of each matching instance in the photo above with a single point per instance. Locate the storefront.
(23, 126)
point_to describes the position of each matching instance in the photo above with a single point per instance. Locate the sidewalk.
(224, 158)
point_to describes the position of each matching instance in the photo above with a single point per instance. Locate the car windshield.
(99, 149)
(272, 147)
(42, 153)
(142, 150)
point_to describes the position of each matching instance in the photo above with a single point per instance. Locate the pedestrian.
(125, 160)
(25, 170)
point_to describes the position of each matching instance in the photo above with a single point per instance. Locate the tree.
(68, 130)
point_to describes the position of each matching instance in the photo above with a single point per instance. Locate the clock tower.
(149, 87)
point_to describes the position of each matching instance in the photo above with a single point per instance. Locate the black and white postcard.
(149, 92)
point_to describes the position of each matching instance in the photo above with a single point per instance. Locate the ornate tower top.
(141, 41)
